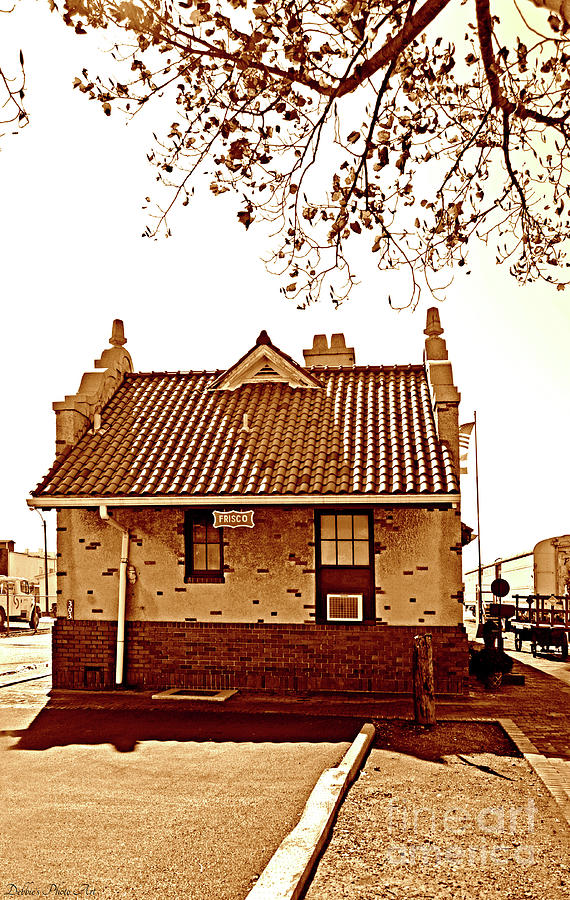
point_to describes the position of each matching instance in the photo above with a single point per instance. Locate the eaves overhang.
(87, 502)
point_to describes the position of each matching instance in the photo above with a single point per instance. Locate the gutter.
(180, 500)
(103, 513)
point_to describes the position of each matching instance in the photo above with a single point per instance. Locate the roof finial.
(435, 344)
(433, 325)
(263, 339)
(118, 338)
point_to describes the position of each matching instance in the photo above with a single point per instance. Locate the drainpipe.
(122, 592)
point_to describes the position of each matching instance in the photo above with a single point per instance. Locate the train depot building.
(272, 526)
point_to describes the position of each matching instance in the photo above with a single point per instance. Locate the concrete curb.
(27, 632)
(290, 867)
(552, 773)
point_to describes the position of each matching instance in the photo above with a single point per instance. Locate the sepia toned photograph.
(284, 498)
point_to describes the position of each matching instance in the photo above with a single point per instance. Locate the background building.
(30, 565)
(542, 571)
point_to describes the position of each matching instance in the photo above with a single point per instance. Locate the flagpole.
(480, 599)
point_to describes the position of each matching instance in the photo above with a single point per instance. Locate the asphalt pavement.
(24, 654)
(140, 804)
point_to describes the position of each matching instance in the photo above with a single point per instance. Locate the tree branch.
(394, 46)
(485, 32)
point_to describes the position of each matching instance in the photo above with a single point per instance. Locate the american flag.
(464, 438)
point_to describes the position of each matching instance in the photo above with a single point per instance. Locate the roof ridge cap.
(176, 372)
(372, 367)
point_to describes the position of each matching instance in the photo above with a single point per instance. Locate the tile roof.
(365, 430)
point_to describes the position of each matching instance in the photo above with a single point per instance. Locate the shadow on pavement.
(124, 729)
(57, 726)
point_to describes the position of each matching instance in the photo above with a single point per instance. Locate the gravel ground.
(452, 813)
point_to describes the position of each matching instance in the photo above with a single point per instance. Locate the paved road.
(140, 804)
(24, 655)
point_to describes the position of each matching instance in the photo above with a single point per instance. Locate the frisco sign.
(233, 518)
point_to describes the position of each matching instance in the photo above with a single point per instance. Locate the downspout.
(122, 592)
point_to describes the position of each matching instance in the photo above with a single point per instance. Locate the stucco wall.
(418, 566)
(270, 569)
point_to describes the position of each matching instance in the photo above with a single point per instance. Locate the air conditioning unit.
(344, 607)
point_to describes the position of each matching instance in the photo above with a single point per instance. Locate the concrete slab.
(189, 694)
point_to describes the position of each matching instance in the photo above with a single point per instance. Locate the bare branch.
(353, 121)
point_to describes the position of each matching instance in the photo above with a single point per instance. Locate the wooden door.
(345, 559)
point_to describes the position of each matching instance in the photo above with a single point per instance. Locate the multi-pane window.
(206, 554)
(203, 547)
(345, 539)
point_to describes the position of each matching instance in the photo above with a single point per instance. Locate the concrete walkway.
(541, 729)
(548, 663)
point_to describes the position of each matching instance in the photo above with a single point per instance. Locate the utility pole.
(479, 571)
(46, 579)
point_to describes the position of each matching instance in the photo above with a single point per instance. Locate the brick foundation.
(256, 656)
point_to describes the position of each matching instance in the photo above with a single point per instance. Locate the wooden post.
(424, 702)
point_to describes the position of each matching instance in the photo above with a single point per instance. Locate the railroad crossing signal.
(500, 587)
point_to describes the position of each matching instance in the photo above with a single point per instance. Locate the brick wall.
(255, 656)
(83, 654)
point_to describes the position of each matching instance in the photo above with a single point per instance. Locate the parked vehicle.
(19, 599)
(537, 608)
(543, 616)
(544, 620)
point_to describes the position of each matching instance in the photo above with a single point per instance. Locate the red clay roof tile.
(366, 430)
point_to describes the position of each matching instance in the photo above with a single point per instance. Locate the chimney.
(338, 354)
(445, 396)
(81, 411)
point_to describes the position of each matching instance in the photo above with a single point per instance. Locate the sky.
(72, 259)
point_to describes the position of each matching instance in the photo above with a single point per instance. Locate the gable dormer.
(265, 363)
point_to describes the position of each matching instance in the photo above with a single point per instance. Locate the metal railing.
(542, 609)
